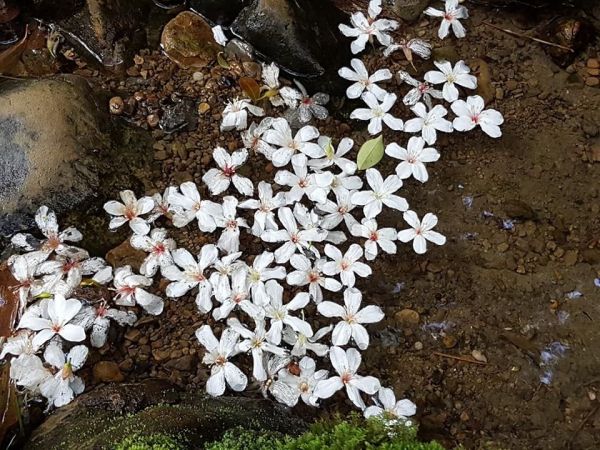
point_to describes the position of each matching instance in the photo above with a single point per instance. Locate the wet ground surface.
(494, 335)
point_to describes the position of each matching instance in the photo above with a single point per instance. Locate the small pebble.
(116, 105)
(478, 356)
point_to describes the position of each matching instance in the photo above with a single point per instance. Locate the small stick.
(521, 35)
(460, 358)
(581, 425)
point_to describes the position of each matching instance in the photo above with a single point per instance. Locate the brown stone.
(188, 40)
(408, 318)
(125, 255)
(592, 81)
(107, 371)
(593, 63)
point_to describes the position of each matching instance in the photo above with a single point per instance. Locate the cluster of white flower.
(301, 214)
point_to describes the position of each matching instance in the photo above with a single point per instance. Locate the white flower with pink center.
(471, 114)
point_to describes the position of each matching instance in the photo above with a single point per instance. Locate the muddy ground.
(522, 219)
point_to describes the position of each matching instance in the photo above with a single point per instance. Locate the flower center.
(294, 238)
(346, 377)
(232, 224)
(313, 277)
(345, 264)
(229, 171)
(304, 387)
(221, 360)
(159, 248)
(449, 17)
(342, 209)
(475, 119)
(373, 236)
(56, 328)
(130, 213)
(68, 265)
(378, 112)
(256, 342)
(126, 290)
(53, 242)
(239, 298)
(303, 183)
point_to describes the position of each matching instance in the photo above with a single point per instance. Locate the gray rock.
(219, 11)
(58, 147)
(410, 10)
(106, 415)
(302, 37)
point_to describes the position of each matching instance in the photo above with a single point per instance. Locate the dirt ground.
(521, 214)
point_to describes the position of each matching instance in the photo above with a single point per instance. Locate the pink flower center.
(294, 238)
(126, 290)
(68, 265)
(313, 277)
(229, 171)
(232, 224)
(53, 242)
(449, 17)
(130, 213)
(373, 236)
(238, 298)
(344, 264)
(342, 210)
(475, 119)
(346, 377)
(303, 183)
(159, 249)
(220, 361)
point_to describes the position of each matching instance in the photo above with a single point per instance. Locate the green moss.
(353, 433)
(151, 442)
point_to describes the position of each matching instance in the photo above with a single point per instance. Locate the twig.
(460, 358)
(521, 35)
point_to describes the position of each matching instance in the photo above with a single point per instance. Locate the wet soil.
(499, 348)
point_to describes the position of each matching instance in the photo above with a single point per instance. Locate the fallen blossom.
(428, 122)
(450, 18)
(450, 77)
(219, 180)
(363, 81)
(471, 114)
(421, 231)
(413, 158)
(378, 113)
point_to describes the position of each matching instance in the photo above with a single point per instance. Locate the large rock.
(302, 37)
(410, 10)
(219, 11)
(58, 147)
(106, 415)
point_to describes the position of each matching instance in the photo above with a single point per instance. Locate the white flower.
(282, 392)
(281, 136)
(310, 107)
(450, 17)
(335, 157)
(260, 272)
(421, 231)
(218, 180)
(346, 364)
(304, 384)
(280, 314)
(235, 114)
(363, 81)
(19, 344)
(64, 273)
(229, 241)
(418, 46)
(264, 217)
(29, 372)
(270, 77)
(428, 122)
(290, 96)
(217, 356)
(413, 158)
(301, 343)
(158, 246)
(306, 273)
(420, 90)
(256, 342)
(450, 76)
(129, 291)
(364, 29)
(192, 275)
(56, 241)
(219, 35)
(377, 113)
(101, 322)
(315, 185)
(352, 319)
(347, 264)
(338, 211)
(23, 269)
(293, 238)
(383, 238)
(188, 206)
(130, 211)
(162, 205)
(252, 137)
(381, 193)
(236, 295)
(62, 388)
(391, 410)
(55, 320)
(471, 113)
(343, 181)
(224, 268)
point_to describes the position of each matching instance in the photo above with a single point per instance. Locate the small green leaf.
(43, 295)
(370, 153)
(222, 61)
(329, 150)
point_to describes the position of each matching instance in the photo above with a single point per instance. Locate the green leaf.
(370, 153)
(222, 61)
(329, 150)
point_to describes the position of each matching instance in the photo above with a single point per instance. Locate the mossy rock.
(111, 415)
